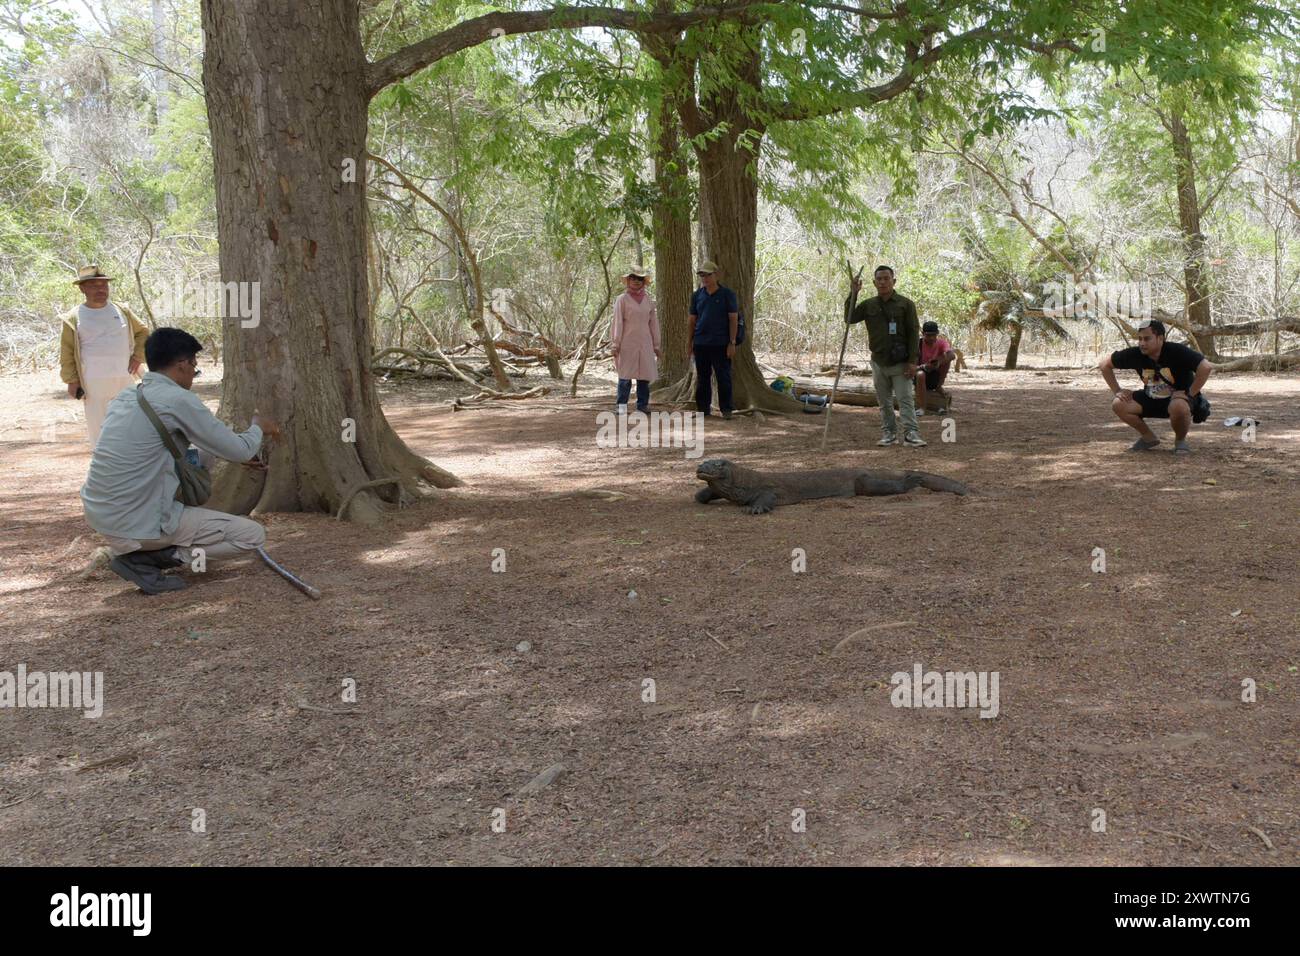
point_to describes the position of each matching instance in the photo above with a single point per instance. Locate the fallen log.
(424, 358)
(1260, 363)
(511, 370)
(1283, 323)
(844, 395)
(1176, 320)
(866, 398)
(526, 333)
(513, 349)
(488, 394)
(433, 374)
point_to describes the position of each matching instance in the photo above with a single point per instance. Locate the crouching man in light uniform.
(130, 493)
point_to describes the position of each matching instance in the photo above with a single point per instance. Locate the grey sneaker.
(1143, 445)
(144, 574)
(1182, 448)
(913, 440)
(888, 439)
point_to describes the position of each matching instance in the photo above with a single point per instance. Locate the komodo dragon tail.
(923, 479)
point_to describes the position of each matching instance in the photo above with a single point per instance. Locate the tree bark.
(671, 226)
(285, 116)
(1013, 350)
(1197, 308)
(160, 86)
(729, 210)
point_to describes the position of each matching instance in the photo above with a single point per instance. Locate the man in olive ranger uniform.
(893, 335)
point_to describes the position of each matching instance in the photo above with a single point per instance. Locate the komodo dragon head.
(714, 469)
(729, 480)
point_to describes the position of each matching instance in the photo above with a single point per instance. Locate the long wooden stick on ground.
(299, 583)
(839, 367)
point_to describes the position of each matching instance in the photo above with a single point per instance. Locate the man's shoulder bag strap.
(157, 424)
(194, 483)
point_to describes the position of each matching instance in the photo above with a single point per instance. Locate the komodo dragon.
(762, 491)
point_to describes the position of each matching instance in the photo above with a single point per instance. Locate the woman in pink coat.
(635, 339)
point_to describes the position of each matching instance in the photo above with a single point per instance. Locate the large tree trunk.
(1197, 307)
(729, 220)
(285, 115)
(671, 225)
(1013, 350)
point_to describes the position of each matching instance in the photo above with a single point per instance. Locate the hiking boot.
(726, 413)
(144, 574)
(888, 439)
(1143, 445)
(1182, 448)
(920, 413)
(163, 559)
(913, 440)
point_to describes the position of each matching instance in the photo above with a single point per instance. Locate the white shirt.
(105, 342)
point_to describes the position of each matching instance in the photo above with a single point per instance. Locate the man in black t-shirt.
(1172, 376)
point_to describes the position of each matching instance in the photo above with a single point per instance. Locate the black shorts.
(1152, 407)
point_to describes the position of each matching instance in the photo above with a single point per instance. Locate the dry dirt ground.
(1119, 692)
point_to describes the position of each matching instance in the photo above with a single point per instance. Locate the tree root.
(678, 393)
(401, 494)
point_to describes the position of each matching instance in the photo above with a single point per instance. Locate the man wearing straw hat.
(100, 348)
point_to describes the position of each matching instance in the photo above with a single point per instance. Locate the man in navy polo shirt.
(715, 316)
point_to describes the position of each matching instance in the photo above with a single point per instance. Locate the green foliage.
(1012, 273)
(542, 144)
(942, 293)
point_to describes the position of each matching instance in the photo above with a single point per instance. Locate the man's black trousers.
(712, 360)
